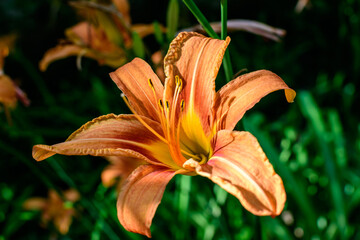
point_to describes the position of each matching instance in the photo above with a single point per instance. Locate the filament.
(142, 121)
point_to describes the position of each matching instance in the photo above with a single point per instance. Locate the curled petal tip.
(42, 152)
(290, 95)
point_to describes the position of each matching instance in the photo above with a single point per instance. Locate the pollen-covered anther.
(161, 105)
(151, 84)
(178, 82)
(182, 105)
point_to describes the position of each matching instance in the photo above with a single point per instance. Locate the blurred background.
(313, 143)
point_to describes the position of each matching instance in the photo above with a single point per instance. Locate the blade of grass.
(338, 136)
(200, 17)
(227, 62)
(207, 27)
(313, 113)
(158, 33)
(172, 19)
(223, 19)
(183, 205)
(138, 45)
(354, 200)
(275, 227)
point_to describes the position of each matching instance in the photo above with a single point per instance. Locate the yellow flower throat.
(182, 129)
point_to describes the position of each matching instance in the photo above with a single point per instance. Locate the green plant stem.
(227, 62)
(209, 30)
(223, 19)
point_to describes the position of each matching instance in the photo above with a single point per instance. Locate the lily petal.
(35, 203)
(60, 52)
(140, 196)
(240, 167)
(133, 80)
(71, 195)
(241, 94)
(123, 7)
(63, 221)
(7, 91)
(112, 135)
(196, 60)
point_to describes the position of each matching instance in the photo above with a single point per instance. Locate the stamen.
(167, 106)
(178, 81)
(151, 84)
(189, 154)
(160, 108)
(182, 105)
(161, 105)
(142, 121)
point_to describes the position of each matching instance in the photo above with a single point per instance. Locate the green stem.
(227, 62)
(227, 66)
(209, 30)
(223, 19)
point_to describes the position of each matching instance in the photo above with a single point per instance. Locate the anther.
(150, 83)
(182, 105)
(178, 82)
(167, 105)
(142, 121)
(161, 105)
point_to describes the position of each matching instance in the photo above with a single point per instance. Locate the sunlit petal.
(241, 94)
(140, 196)
(240, 167)
(112, 135)
(196, 60)
(133, 81)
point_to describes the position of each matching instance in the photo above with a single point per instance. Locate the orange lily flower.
(183, 127)
(104, 40)
(54, 208)
(9, 91)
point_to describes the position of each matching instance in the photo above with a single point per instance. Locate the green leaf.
(312, 112)
(158, 33)
(110, 28)
(172, 19)
(138, 45)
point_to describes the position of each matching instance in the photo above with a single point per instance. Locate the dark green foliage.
(313, 144)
